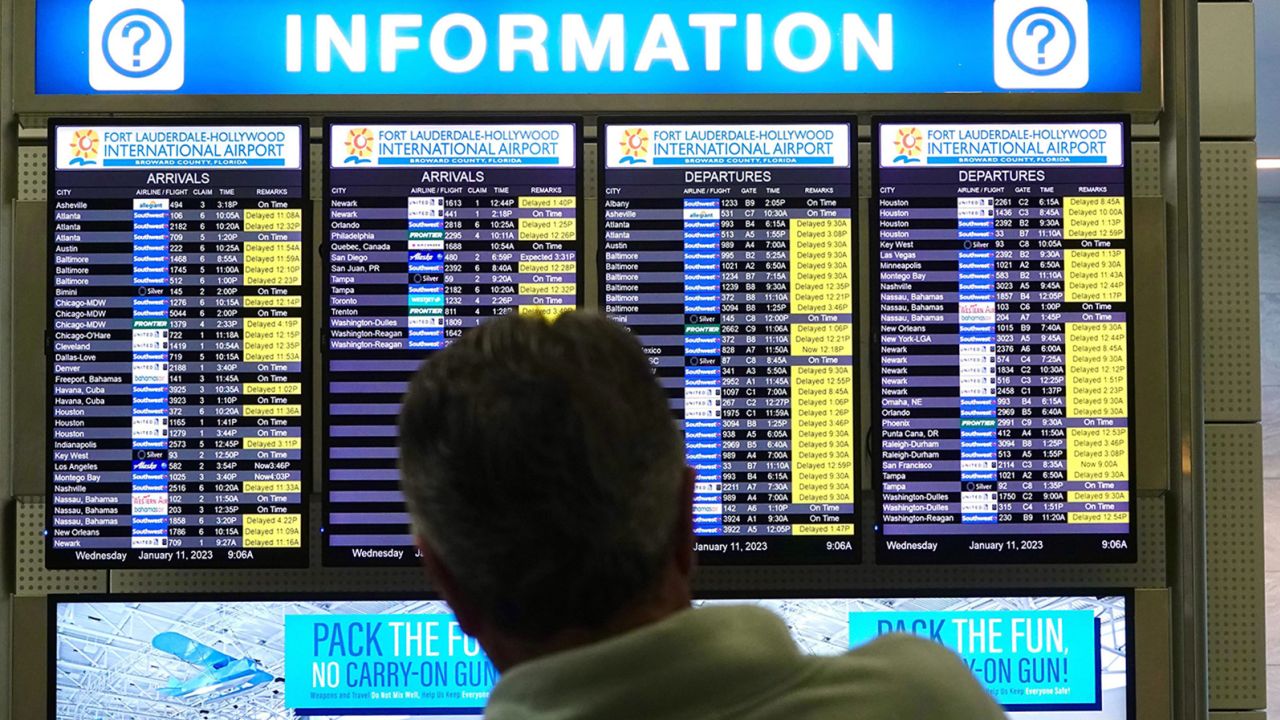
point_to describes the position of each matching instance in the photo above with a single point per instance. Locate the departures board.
(727, 248)
(177, 331)
(431, 229)
(1002, 256)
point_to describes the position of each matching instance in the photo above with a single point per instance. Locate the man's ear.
(685, 555)
(442, 579)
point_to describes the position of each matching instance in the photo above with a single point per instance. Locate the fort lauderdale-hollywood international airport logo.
(359, 146)
(635, 146)
(84, 147)
(909, 144)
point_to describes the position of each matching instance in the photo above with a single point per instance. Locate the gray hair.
(542, 464)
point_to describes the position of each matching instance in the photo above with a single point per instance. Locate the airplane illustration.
(220, 676)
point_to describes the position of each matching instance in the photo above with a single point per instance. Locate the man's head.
(546, 478)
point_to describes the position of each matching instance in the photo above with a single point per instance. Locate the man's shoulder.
(897, 676)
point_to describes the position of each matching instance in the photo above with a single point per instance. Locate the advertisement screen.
(1041, 658)
(116, 658)
(221, 660)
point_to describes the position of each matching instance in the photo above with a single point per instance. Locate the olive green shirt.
(739, 662)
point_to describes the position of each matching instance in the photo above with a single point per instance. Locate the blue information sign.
(325, 47)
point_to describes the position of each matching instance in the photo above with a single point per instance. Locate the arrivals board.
(177, 329)
(1002, 257)
(728, 249)
(431, 229)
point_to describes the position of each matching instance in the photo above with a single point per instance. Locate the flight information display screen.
(1002, 256)
(178, 325)
(728, 250)
(431, 229)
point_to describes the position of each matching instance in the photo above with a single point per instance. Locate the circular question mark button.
(128, 43)
(1035, 32)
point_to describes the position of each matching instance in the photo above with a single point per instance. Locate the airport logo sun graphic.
(85, 147)
(909, 145)
(359, 146)
(635, 146)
